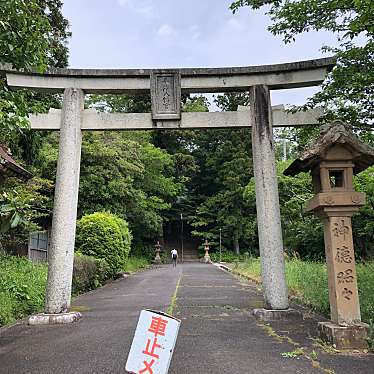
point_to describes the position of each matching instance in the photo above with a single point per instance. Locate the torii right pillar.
(268, 212)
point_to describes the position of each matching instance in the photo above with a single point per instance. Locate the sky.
(172, 34)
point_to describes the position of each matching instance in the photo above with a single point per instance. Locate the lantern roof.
(331, 135)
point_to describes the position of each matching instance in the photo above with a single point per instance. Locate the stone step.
(189, 256)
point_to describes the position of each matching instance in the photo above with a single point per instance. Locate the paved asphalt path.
(217, 335)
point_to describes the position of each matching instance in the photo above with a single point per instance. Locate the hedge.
(89, 273)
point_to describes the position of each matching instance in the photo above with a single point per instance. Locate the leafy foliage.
(22, 206)
(120, 103)
(104, 236)
(33, 37)
(363, 222)
(23, 23)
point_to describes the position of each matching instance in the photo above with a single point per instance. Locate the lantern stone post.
(333, 159)
(206, 249)
(157, 259)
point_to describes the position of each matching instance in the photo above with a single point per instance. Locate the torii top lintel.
(193, 80)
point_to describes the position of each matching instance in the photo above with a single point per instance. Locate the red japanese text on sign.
(153, 344)
(158, 326)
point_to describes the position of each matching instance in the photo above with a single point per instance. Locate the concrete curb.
(268, 315)
(222, 266)
(228, 269)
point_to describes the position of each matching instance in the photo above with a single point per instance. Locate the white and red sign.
(153, 344)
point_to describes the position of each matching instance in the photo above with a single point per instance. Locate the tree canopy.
(33, 36)
(348, 92)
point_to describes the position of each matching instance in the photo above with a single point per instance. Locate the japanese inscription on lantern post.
(342, 270)
(153, 344)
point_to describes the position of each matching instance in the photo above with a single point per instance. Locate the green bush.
(104, 236)
(89, 273)
(22, 288)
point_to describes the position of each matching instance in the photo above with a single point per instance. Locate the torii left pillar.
(61, 253)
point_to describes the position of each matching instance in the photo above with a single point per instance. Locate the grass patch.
(22, 288)
(293, 354)
(80, 308)
(307, 281)
(134, 264)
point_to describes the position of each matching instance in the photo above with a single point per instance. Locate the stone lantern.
(206, 249)
(157, 259)
(333, 160)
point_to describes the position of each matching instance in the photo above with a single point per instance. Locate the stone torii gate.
(166, 87)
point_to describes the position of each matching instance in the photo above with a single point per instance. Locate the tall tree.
(348, 92)
(33, 36)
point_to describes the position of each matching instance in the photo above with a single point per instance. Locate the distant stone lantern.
(157, 259)
(206, 249)
(333, 160)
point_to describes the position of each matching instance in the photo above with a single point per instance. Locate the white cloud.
(195, 31)
(123, 3)
(234, 23)
(166, 30)
(143, 7)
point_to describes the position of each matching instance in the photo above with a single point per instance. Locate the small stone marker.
(153, 345)
(206, 249)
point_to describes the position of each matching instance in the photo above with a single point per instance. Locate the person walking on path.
(174, 257)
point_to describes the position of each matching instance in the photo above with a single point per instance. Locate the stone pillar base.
(157, 261)
(344, 337)
(207, 259)
(54, 319)
(268, 315)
